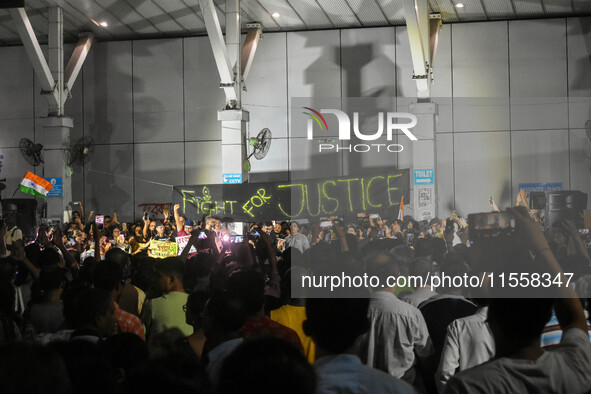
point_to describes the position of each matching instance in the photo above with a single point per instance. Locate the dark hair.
(89, 370)
(89, 304)
(335, 323)
(248, 286)
(196, 306)
(49, 256)
(423, 248)
(402, 254)
(35, 369)
(118, 256)
(265, 366)
(520, 319)
(226, 314)
(421, 267)
(174, 373)
(107, 276)
(51, 278)
(125, 351)
(382, 265)
(171, 266)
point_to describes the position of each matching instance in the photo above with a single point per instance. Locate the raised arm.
(177, 217)
(146, 226)
(81, 212)
(58, 242)
(567, 305)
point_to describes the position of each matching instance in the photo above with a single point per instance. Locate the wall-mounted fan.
(31, 151)
(78, 153)
(260, 146)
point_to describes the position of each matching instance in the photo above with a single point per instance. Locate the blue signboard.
(231, 179)
(424, 177)
(540, 187)
(56, 190)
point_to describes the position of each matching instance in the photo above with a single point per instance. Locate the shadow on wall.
(107, 164)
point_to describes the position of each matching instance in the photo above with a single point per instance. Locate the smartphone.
(255, 234)
(146, 216)
(165, 210)
(326, 224)
(374, 216)
(491, 225)
(124, 227)
(236, 239)
(100, 221)
(410, 237)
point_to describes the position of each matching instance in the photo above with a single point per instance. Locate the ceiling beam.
(77, 60)
(423, 35)
(218, 45)
(35, 54)
(250, 47)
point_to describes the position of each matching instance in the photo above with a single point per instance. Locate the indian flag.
(35, 185)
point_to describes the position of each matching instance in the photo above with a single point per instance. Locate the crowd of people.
(87, 308)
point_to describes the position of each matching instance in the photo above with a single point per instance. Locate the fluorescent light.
(460, 5)
(275, 15)
(103, 24)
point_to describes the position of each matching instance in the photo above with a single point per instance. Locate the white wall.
(514, 97)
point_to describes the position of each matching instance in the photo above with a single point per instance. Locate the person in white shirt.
(520, 364)
(334, 324)
(468, 343)
(398, 334)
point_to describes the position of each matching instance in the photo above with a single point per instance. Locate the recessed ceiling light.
(460, 5)
(103, 24)
(275, 15)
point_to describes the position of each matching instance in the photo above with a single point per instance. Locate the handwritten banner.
(156, 208)
(182, 242)
(339, 196)
(162, 249)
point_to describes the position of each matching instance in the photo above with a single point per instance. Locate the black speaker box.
(537, 200)
(565, 204)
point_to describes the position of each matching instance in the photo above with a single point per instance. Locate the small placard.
(231, 179)
(56, 191)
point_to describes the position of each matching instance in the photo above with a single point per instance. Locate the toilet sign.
(424, 177)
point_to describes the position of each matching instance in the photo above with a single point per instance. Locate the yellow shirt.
(293, 317)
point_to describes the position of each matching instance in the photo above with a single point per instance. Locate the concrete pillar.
(233, 150)
(55, 134)
(424, 161)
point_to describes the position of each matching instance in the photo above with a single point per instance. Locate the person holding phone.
(296, 240)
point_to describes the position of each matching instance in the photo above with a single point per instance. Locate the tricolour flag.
(401, 209)
(35, 185)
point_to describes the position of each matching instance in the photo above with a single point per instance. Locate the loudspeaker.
(565, 204)
(537, 200)
(25, 209)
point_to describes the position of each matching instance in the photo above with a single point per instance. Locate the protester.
(249, 315)
(335, 324)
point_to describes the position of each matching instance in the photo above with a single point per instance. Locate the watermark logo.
(402, 121)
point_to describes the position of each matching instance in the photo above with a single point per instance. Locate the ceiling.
(137, 19)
